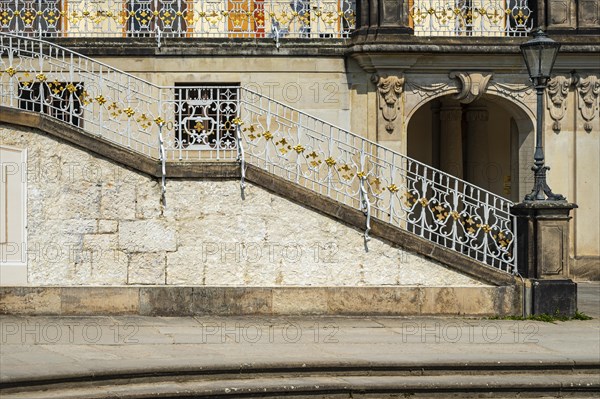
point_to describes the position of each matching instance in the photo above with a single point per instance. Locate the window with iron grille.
(61, 100)
(204, 115)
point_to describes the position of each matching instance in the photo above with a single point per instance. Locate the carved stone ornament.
(588, 89)
(423, 91)
(472, 85)
(389, 89)
(558, 90)
(514, 91)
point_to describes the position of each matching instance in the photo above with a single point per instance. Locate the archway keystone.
(472, 85)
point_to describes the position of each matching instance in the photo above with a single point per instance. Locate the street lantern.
(539, 55)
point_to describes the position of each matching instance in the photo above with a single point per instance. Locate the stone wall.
(94, 222)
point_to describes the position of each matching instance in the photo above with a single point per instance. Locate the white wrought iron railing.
(208, 122)
(471, 17)
(178, 18)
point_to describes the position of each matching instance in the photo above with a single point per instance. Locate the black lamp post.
(540, 54)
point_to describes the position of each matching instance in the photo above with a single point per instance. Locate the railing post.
(365, 204)
(241, 156)
(163, 164)
(39, 20)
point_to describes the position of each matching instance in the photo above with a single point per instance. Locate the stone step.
(326, 384)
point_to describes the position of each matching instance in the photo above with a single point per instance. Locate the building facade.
(441, 84)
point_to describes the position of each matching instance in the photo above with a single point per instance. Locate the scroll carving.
(389, 89)
(558, 90)
(588, 89)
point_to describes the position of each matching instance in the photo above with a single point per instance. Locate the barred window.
(204, 115)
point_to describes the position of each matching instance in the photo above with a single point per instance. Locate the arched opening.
(488, 142)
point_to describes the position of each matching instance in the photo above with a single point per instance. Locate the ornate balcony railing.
(178, 18)
(471, 17)
(204, 122)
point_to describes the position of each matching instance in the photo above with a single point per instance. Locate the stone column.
(543, 255)
(451, 153)
(477, 146)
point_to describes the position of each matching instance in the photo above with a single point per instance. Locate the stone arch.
(491, 134)
(521, 97)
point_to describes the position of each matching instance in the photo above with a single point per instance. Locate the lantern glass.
(540, 55)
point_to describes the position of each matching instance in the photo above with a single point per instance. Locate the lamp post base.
(541, 191)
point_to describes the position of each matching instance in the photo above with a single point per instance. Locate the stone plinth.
(543, 255)
(543, 238)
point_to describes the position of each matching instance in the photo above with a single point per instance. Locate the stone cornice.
(265, 47)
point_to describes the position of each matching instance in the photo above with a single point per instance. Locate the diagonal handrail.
(207, 122)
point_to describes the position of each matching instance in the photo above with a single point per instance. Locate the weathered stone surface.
(198, 300)
(107, 226)
(440, 300)
(232, 300)
(107, 262)
(159, 301)
(148, 199)
(208, 198)
(249, 300)
(118, 200)
(30, 300)
(209, 300)
(185, 266)
(300, 300)
(147, 268)
(479, 301)
(97, 301)
(207, 235)
(379, 300)
(147, 236)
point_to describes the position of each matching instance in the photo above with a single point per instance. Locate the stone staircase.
(266, 144)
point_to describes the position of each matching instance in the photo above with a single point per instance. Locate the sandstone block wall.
(94, 222)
